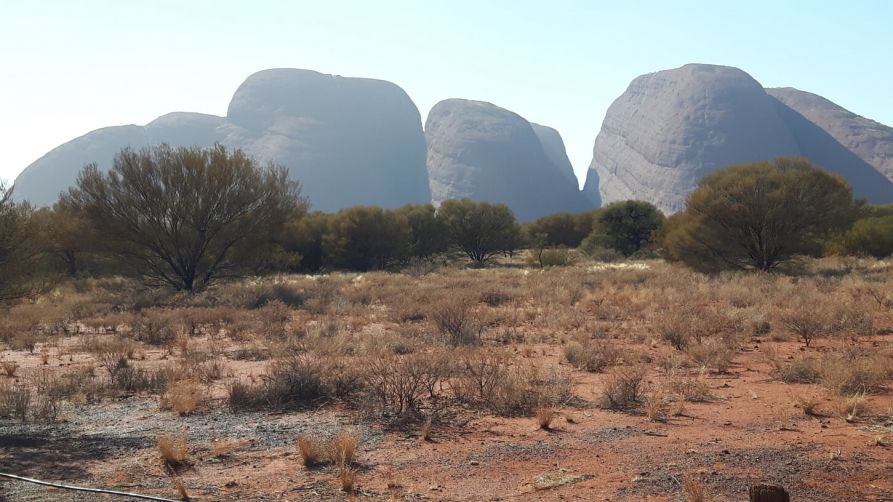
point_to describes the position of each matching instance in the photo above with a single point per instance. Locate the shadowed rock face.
(479, 151)
(869, 140)
(348, 141)
(672, 127)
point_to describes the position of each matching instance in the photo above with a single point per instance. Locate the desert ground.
(637, 380)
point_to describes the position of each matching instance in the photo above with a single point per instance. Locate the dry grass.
(344, 447)
(544, 417)
(623, 388)
(313, 452)
(807, 403)
(348, 479)
(181, 489)
(339, 450)
(427, 430)
(593, 356)
(656, 407)
(417, 352)
(852, 408)
(10, 368)
(173, 450)
(854, 371)
(183, 396)
(694, 489)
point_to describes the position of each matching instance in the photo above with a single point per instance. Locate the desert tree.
(180, 214)
(871, 236)
(65, 236)
(759, 215)
(560, 229)
(479, 229)
(17, 247)
(366, 238)
(625, 226)
(427, 232)
(306, 237)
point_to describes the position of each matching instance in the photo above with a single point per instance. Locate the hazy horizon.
(73, 68)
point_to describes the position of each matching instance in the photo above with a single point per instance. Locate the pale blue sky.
(68, 67)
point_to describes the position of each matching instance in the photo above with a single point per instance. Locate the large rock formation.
(480, 151)
(348, 141)
(869, 140)
(42, 181)
(672, 127)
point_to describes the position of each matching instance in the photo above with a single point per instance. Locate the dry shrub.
(10, 367)
(183, 396)
(495, 298)
(286, 294)
(852, 407)
(683, 326)
(455, 319)
(296, 381)
(51, 390)
(623, 389)
(695, 491)
(399, 384)
(673, 328)
(344, 376)
(655, 406)
(807, 322)
(173, 450)
(313, 452)
(801, 370)
(544, 416)
(242, 396)
(181, 489)
(348, 479)
(129, 379)
(340, 449)
(154, 328)
(15, 401)
(427, 429)
(593, 356)
(489, 379)
(806, 403)
(714, 353)
(692, 389)
(343, 447)
(854, 370)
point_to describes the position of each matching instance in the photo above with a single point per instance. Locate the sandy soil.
(748, 432)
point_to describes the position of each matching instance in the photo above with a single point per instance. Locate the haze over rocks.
(349, 141)
(480, 151)
(356, 141)
(672, 127)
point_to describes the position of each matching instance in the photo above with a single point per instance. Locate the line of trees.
(185, 217)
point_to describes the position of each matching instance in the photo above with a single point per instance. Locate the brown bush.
(15, 401)
(853, 371)
(10, 367)
(623, 389)
(593, 356)
(712, 353)
(400, 384)
(313, 452)
(295, 381)
(182, 396)
(455, 319)
(173, 450)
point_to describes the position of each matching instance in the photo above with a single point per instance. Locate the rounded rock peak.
(268, 94)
